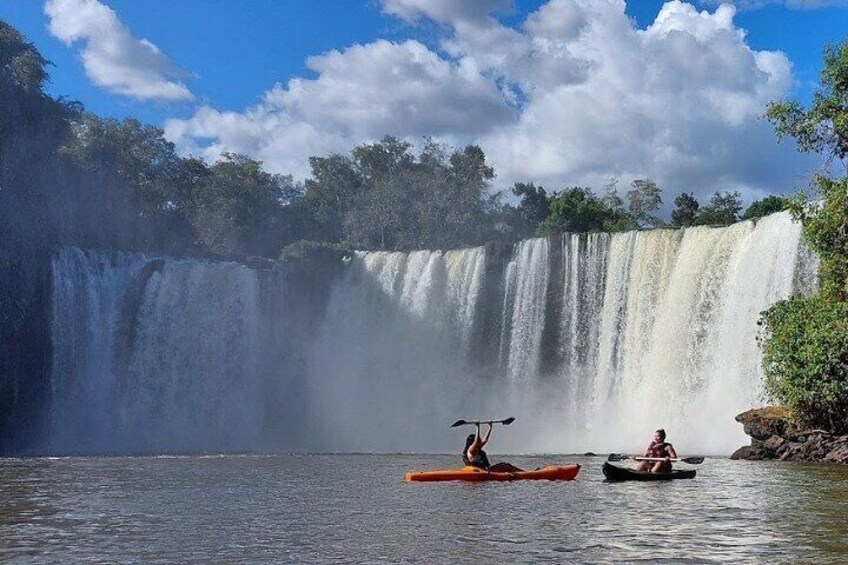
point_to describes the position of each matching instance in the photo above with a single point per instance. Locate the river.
(357, 509)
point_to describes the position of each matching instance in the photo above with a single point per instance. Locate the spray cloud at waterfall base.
(591, 341)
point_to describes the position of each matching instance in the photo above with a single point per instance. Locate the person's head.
(659, 435)
(469, 440)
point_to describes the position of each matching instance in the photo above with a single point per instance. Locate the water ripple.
(355, 509)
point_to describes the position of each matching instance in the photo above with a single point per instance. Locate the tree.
(239, 208)
(685, 211)
(575, 210)
(141, 178)
(805, 338)
(805, 359)
(329, 193)
(723, 209)
(385, 197)
(768, 205)
(643, 199)
(532, 209)
(619, 219)
(823, 127)
(21, 65)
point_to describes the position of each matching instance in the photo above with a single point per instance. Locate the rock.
(838, 455)
(762, 423)
(775, 435)
(748, 452)
(590, 454)
(774, 443)
(792, 452)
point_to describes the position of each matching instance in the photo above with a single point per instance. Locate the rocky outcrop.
(776, 435)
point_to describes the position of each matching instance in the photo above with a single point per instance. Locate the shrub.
(805, 359)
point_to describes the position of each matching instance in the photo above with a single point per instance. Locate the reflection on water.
(356, 509)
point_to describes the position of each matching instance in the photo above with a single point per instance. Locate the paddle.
(506, 422)
(622, 457)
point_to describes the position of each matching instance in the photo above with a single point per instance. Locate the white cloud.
(112, 57)
(576, 94)
(796, 4)
(361, 93)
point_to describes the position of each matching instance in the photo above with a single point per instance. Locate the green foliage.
(823, 127)
(21, 65)
(826, 232)
(239, 208)
(722, 210)
(137, 156)
(384, 197)
(643, 199)
(576, 210)
(532, 209)
(302, 247)
(685, 211)
(805, 339)
(805, 358)
(768, 205)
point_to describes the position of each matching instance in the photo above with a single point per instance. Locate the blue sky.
(547, 100)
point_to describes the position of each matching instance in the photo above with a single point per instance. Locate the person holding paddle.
(474, 456)
(658, 449)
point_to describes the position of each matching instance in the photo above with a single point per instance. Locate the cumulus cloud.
(361, 93)
(112, 57)
(797, 4)
(574, 94)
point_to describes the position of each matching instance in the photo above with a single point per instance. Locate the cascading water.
(595, 340)
(677, 339)
(153, 355)
(526, 292)
(390, 365)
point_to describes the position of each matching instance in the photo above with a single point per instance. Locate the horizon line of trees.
(68, 176)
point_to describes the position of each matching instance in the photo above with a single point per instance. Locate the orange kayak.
(563, 473)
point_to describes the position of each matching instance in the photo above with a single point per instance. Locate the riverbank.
(775, 435)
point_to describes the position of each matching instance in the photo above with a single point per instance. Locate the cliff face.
(776, 435)
(24, 343)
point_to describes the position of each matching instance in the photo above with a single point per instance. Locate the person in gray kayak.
(660, 449)
(474, 455)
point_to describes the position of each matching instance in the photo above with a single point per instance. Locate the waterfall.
(677, 339)
(153, 355)
(390, 363)
(526, 293)
(595, 341)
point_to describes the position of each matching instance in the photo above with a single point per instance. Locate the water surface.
(357, 509)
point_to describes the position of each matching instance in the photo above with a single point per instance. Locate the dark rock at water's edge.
(776, 435)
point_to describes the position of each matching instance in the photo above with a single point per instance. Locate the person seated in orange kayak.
(658, 448)
(474, 455)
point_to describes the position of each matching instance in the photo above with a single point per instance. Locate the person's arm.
(647, 451)
(485, 440)
(476, 444)
(672, 454)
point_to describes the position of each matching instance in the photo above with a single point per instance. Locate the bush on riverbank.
(805, 358)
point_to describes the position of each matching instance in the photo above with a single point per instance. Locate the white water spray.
(595, 340)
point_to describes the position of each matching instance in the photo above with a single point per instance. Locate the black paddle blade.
(458, 423)
(617, 457)
(508, 421)
(693, 460)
